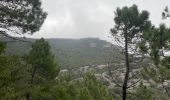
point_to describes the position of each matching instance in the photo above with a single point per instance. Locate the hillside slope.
(71, 53)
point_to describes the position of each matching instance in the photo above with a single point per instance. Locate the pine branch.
(134, 84)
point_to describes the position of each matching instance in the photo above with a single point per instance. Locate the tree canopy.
(20, 17)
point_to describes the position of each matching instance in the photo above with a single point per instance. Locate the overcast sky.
(90, 18)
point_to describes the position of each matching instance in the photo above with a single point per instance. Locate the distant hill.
(71, 53)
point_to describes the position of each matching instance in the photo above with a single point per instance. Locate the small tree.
(129, 26)
(42, 59)
(44, 68)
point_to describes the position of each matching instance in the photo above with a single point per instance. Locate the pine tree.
(18, 17)
(43, 66)
(130, 23)
(155, 43)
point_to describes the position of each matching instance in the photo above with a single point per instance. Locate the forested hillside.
(71, 53)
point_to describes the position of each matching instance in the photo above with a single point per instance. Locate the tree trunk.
(28, 96)
(125, 83)
(33, 74)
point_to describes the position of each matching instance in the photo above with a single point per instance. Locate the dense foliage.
(20, 17)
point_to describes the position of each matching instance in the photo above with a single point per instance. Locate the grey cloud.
(90, 18)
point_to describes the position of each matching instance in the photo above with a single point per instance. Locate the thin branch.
(14, 38)
(134, 76)
(134, 84)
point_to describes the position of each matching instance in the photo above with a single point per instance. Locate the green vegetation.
(36, 77)
(44, 69)
(87, 88)
(71, 53)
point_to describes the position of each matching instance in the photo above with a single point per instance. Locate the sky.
(91, 18)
